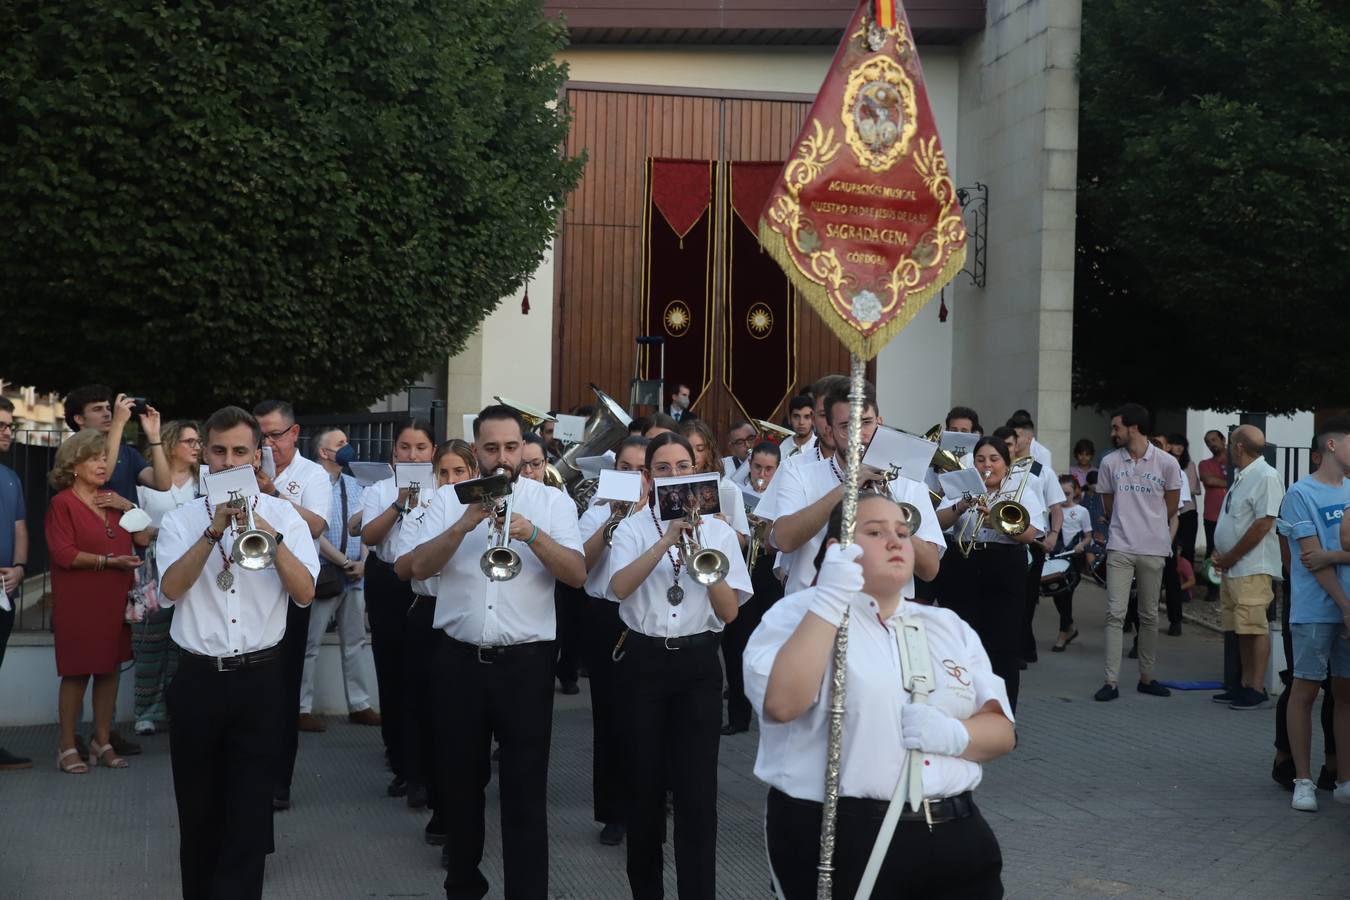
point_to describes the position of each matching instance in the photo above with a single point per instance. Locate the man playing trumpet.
(224, 703)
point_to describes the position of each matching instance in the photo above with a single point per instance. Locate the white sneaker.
(1342, 793)
(1305, 795)
(145, 727)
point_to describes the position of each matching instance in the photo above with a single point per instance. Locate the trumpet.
(881, 484)
(499, 562)
(621, 510)
(254, 549)
(414, 497)
(706, 566)
(759, 533)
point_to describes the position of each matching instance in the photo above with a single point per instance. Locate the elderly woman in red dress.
(92, 569)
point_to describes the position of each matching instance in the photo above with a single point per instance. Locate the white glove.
(931, 730)
(839, 583)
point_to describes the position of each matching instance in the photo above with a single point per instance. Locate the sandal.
(101, 752)
(77, 766)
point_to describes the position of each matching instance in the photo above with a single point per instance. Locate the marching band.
(462, 577)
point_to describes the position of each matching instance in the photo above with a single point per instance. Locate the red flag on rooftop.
(864, 217)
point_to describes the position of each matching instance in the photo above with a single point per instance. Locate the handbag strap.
(342, 526)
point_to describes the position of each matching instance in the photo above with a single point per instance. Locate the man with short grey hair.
(337, 547)
(1247, 553)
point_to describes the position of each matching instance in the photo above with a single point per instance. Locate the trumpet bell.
(500, 563)
(254, 550)
(913, 518)
(708, 567)
(1010, 517)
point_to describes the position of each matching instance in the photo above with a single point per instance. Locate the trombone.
(881, 484)
(254, 549)
(1010, 516)
(499, 562)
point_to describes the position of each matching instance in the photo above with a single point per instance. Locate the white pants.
(349, 608)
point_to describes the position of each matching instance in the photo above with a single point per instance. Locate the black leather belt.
(933, 812)
(996, 545)
(487, 655)
(230, 663)
(688, 642)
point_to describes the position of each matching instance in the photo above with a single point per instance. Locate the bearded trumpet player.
(494, 661)
(225, 703)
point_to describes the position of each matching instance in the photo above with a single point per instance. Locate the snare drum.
(1057, 577)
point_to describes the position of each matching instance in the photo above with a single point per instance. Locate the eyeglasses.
(6, 426)
(665, 469)
(191, 442)
(533, 465)
(740, 442)
(275, 436)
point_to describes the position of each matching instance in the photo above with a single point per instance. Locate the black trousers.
(672, 701)
(569, 607)
(511, 698)
(387, 602)
(1209, 537)
(601, 628)
(768, 591)
(292, 676)
(1171, 590)
(987, 590)
(419, 723)
(6, 626)
(223, 744)
(958, 859)
(1188, 524)
(1032, 596)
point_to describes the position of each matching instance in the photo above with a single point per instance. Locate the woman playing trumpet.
(986, 588)
(601, 627)
(671, 679)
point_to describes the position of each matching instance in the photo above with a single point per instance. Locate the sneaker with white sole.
(1342, 793)
(1305, 795)
(145, 727)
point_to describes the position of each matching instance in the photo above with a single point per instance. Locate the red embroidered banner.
(677, 271)
(864, 217)
(759, 366)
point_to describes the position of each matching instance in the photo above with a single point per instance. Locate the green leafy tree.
(209, 202)
(1214, 203)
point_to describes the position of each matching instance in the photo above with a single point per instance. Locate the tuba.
(533, 417)
(605, 429)
(253, 549)
(499, 562)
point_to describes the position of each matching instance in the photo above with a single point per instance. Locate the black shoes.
(435, 833)
(417, 795)
(9, 761)
(1153, 689)
(1059, 648)
(1282, 773)
(1250, 698)
(570, 688)
(1174, 629)
(1226, 698)
(612, 834)
(281, 799)
(1106, 692)
(397, 788)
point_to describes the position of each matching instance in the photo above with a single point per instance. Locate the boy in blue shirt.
(1319, 598)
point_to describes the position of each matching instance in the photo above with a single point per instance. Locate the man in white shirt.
(1024, 445)
(224, 707)
(800, 498)
(739, 440)
(305, 485)
(494, 665)
(801, 419)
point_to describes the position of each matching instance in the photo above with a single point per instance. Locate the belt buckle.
(667, 644)
(487, 655)
(220, 664)
(928, 812)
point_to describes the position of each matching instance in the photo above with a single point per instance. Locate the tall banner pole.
(865, 223)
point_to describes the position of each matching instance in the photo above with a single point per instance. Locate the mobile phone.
(138, 406)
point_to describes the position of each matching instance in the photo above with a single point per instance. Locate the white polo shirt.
(791, 755)
(470, 608)
(251, 615)
(374, 501)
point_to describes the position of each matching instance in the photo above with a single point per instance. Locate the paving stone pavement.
(1142, 797)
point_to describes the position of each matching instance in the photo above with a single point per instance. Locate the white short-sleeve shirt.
(806, 483)
(251, 615)
(791, 755)
(306, 483)
(407, 539)
(470, 608)
(648, 610)
(374, 501)
(1031, 499)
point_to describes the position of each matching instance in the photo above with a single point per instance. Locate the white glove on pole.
(839, 584)
(933, 731)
